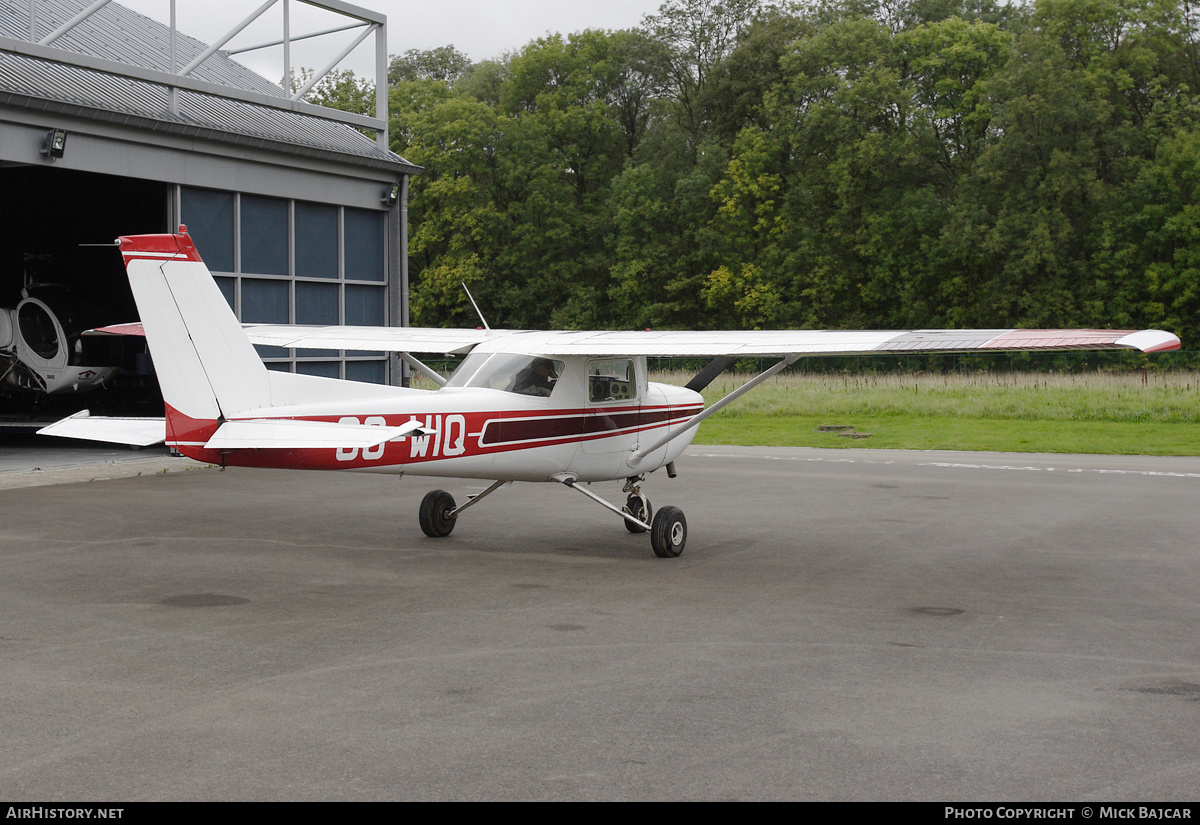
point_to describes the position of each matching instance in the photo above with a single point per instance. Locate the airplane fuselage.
(474, 432)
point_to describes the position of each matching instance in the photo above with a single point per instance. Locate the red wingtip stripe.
(158, 247)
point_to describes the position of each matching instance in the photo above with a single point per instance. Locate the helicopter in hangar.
(42, 350)
(562, 407)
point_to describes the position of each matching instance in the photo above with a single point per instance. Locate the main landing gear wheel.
(637, 506)
(668, 532)
(436, 520)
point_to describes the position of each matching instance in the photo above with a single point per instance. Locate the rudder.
(206, 367)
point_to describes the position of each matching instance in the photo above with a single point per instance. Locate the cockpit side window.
(521, 374)
(611, 379)
(37, 328)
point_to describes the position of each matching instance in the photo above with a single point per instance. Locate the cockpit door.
(615, 387)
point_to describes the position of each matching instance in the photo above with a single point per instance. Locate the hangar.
(114, 124)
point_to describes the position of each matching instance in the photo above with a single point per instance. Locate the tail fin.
(206, 366)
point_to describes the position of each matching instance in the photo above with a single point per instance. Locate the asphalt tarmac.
(855, 624)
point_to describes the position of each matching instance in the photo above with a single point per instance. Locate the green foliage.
(445, 64)
(338, 90)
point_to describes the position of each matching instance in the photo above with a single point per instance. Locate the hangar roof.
(36, 77)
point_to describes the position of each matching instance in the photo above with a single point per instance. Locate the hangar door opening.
(49, 215)
(49, 212)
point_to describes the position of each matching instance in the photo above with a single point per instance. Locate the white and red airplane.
(564, 407)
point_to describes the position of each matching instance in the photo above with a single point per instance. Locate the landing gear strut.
(668, 530)
(637, 505)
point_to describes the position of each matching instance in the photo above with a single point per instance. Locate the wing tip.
(1150, 340)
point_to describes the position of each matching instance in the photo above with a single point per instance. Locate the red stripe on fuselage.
(457, 435)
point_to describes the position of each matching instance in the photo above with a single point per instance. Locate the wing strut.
(705, 377)
(695, 420)
(423, 369)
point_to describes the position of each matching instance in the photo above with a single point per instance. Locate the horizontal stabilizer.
(137, 432)
(290, 434)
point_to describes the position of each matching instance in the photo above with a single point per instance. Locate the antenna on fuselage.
(477, 312)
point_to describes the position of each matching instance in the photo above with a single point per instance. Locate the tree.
(445, 63)
(698, 35)
(340, 89)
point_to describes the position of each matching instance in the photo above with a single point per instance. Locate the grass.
(1132, 413)
(1102, 412)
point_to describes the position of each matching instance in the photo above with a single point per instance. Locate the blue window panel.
(316, 303)
(264, 302)
(208, 215)
(316, 241)
(328, 369)
(264, 235)
(228, 287)
(365, 246)
(278, 366)
(364, 305)
(372, 372)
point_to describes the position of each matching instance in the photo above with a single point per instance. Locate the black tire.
(638, 507)
(668, 532)
(435, 514)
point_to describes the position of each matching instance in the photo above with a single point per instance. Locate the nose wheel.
(668, 529)
(668, 532)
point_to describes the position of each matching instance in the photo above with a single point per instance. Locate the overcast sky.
(481, 28)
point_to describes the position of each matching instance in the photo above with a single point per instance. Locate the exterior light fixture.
(391, 194)
(55, 145)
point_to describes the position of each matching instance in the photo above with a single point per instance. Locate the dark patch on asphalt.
(935, 611)
(463, 691)
(1172, 687)
(567, 627)
(204, 600)
(531, 586)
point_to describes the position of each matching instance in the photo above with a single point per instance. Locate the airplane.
(554, 407)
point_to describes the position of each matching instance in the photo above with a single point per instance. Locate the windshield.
(521, 374)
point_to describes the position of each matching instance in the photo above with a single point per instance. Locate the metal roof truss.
(370, 22)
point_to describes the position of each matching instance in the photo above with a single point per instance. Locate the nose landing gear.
(637, 505)
(668, 528)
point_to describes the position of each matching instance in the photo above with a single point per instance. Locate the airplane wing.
(694, 343)
(380, 339)
(751, 343)
(831, 342)
(384, 339)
